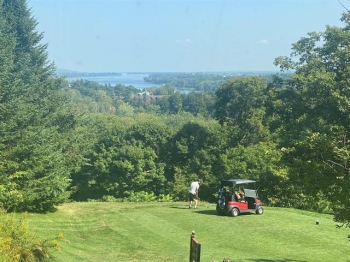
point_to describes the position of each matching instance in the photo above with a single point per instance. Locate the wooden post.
(195, 249)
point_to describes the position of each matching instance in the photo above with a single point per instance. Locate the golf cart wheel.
(234, 212)
(259, 211)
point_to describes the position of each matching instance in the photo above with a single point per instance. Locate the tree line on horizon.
(84, 141)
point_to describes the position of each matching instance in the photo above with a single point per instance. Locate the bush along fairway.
(161, 232)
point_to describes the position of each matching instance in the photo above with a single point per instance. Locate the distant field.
(161, 232)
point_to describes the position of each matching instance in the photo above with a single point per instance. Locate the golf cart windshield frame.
(233, 182)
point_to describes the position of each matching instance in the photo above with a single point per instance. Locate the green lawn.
(161, 232)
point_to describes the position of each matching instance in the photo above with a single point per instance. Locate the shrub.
(109, 199)
(17, 242)
(141, 196)
(165, 198)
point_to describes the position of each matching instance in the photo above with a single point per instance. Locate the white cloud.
(262, 42)
(186, 41)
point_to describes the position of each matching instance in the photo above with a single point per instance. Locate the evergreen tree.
(34, 172)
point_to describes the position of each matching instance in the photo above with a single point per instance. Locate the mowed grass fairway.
(161, 232)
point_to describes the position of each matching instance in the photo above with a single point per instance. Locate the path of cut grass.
(153, 232)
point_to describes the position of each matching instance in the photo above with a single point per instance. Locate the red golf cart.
(237, 196)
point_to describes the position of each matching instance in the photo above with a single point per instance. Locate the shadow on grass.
(274, 260)
(197, 211)
(213, 212)
(51, 210)
(177, 207)
(206, 212)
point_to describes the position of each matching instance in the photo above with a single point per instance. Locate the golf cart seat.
(237, 197)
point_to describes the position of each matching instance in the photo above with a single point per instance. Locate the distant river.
(135, 80)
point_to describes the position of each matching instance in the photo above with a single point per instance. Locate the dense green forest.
(83, 141)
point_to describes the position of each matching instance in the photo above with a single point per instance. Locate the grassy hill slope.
(161, 232)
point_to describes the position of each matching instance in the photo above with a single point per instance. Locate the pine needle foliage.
(34, 117)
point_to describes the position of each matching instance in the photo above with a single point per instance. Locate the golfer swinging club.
(193, 193)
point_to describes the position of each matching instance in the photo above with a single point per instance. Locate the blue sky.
(177, 35)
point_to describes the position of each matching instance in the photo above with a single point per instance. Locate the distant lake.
(135, 80)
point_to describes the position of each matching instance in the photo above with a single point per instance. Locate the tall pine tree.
(34, 117)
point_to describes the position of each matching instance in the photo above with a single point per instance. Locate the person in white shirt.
(193, 193)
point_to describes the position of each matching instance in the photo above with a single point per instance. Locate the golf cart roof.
(237, 181)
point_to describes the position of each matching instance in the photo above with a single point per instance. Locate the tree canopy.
(318, 143)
